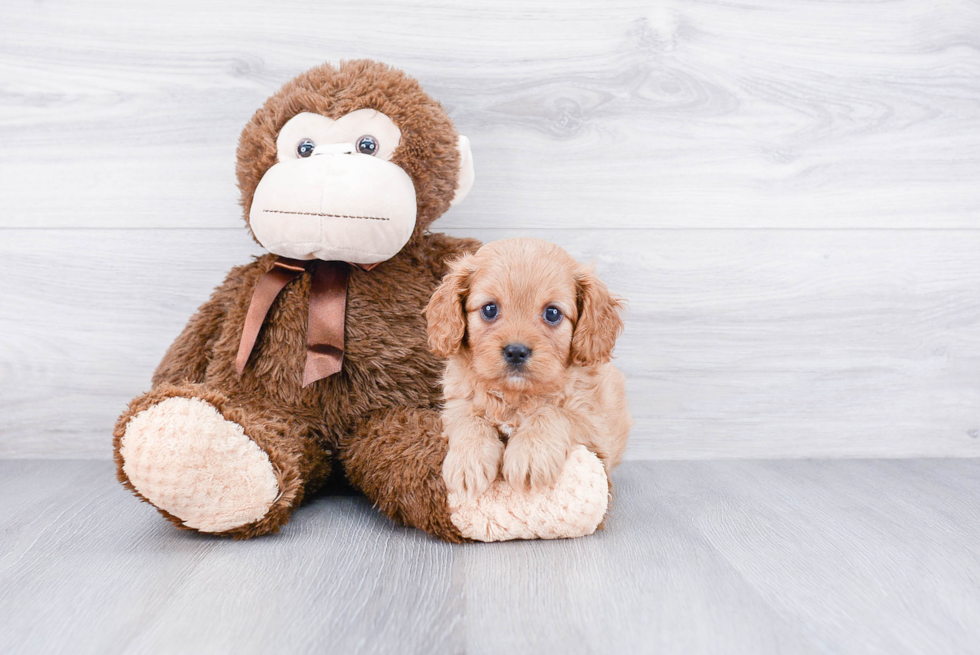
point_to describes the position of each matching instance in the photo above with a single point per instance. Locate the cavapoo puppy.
(528, 334)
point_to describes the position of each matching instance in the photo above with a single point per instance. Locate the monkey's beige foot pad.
(574, 507)
(185, 458)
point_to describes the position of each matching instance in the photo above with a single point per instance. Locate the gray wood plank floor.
(736, 556)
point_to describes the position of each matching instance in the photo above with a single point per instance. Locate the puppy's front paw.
(471, 465)
(533, 461)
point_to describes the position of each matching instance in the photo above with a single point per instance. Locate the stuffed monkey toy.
(313, 357)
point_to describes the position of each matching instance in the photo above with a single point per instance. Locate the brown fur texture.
(563, 393)
(378, 416)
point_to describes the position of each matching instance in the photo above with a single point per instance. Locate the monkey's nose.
(516, 353)
(334, 149)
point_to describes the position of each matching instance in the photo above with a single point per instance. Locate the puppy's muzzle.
(516, 354)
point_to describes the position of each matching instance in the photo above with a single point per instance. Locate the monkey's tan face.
(334, 193)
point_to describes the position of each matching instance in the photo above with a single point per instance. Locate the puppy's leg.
(608, 431)
(537, 450)
(475, 451)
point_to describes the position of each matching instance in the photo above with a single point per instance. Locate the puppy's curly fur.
(519, 413)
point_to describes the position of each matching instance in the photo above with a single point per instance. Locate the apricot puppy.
(528, 333)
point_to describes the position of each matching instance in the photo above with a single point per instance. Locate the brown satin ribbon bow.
(325, 324)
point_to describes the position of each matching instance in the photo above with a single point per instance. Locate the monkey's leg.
(573, 507)
(211, 466)
(395, 458)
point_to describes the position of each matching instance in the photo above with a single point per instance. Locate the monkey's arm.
(442, 249)
(188, 357)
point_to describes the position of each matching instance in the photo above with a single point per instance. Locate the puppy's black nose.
(516, 353)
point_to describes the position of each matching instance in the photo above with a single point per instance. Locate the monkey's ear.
(599, 320)
(446, 314)
(466, 174)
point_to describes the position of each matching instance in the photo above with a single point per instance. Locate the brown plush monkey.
(313, 357)
(336, 151)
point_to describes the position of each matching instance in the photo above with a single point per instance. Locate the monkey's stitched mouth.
(363, 218)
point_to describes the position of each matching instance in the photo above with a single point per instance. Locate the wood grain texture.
(733, 168)
(669, 114)
(755, 343)
(732, 556)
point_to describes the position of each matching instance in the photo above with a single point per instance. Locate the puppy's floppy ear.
(599, 321)
(445, 313)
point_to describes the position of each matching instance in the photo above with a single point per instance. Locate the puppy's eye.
(367, 145)
(552, 315)
(305, 148)
(489, 311)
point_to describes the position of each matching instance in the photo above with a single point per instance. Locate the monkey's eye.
(552, 315)
(367, 145)
(305, 148)
(489, 311)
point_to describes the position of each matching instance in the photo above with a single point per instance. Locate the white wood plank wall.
(787, 192)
